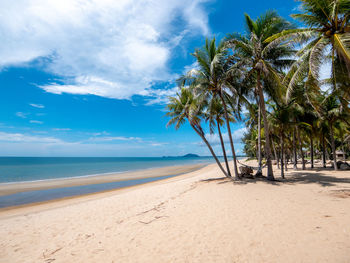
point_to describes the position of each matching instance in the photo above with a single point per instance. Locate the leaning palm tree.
(186, 107)
(264, 62)
(215, 115)
(209, 80)
(326, 38)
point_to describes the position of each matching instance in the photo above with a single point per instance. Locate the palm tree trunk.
(301, 150)
(342, 148)
(275, 153)
(223, 149)
(230, 137)
(267, 131)
(323, 151)
(282, 154)
(312, 151)
(259, 172)
(210, 149)
(295, 151)
(286, 160)
(333, 146)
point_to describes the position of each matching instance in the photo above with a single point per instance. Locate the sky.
(92, 77)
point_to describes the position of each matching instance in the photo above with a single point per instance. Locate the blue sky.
(91, 78)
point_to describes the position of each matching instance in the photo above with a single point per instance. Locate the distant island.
(190, 155)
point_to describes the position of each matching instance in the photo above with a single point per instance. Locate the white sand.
(186, 219)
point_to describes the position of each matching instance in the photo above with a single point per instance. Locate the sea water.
(19, 169)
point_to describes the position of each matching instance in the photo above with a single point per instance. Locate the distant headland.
(189, 155)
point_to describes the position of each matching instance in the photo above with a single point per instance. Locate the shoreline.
(36, 207)
(25, 186)
(100, 174)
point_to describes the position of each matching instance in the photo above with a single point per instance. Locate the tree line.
(270, 78)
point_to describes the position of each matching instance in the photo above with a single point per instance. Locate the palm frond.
(342, 45)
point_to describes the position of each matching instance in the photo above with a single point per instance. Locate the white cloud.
(114, 138)
(36, 122)
(20, 144)
(19, 137)
(161, 96)
(22, 115)
(108, 48)
(61, 129)
(39, 106)
(237, 135)
(156, 144)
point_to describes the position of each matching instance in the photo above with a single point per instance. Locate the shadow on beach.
(294, 177)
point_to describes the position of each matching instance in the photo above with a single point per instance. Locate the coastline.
(35, 207)
(198, 216)
(24, 186)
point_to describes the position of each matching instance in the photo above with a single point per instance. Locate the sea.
(28, 169)
(19, 169)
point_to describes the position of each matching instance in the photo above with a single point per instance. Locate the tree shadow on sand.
(292, 178)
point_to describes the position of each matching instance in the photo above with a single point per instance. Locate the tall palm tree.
(215, 116)
(186, 107)
(327, 38)
(310, 118)
(264, 62)
(209, 80)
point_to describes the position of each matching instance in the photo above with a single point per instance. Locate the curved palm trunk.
(210, 149)
(230, 137)
(223, 149)
(267, 131)
(295, 151)
(282, 154)
(312, 151)
(333, 147)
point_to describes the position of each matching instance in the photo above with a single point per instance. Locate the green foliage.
(283, 62)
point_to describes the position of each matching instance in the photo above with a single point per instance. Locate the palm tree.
(215, 116)
(331, 111)
(209, 81)
(186, 107)
(310, 118)
(328, 29)
(254, 124)
(263, 61)
(280, 118)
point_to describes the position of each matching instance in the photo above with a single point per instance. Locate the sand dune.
(197, 217)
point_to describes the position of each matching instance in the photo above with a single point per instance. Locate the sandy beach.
(195, 217)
